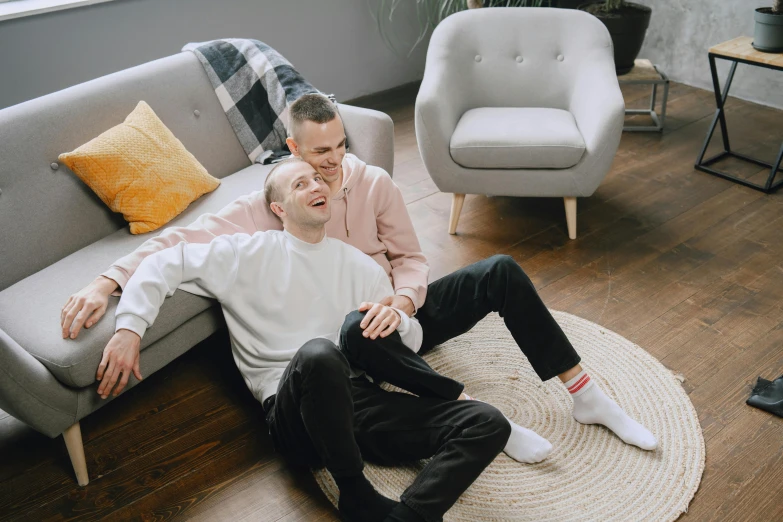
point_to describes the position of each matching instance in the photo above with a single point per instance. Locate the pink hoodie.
(376, 222)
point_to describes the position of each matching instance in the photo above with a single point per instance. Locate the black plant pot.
(568, 4)
(628, 27)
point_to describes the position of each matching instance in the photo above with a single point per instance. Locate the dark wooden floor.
(686, 265)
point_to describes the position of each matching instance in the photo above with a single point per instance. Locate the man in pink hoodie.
(377, 222)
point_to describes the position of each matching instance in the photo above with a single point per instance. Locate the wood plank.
(643, 70)
(225, 434)
(741, 48)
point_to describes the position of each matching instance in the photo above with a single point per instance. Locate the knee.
(508, 269)
(321, 356)
(504, 264)
(351, 330)
(494, 424)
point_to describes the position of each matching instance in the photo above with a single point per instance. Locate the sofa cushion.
(50, 204)
(517, 138)
(30, 309)
(140, 169)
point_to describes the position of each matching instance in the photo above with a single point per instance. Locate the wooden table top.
(643, 70)
(741, 48)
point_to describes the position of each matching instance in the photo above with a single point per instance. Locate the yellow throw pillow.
(139, 168)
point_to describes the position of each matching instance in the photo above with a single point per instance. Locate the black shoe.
(360, 502)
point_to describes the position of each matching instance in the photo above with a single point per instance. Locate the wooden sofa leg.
(570, 208)
(73, 441)
(456, 208)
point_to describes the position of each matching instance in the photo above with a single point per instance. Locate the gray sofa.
(57, 236)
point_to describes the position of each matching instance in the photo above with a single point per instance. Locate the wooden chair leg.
(456, 208)
(73, 441)
(570, 208)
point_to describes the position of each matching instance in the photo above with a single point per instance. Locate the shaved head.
(272, 191)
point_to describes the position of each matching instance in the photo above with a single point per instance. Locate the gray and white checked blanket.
(255, 86)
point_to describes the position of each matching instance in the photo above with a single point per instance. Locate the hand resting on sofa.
(87, 306)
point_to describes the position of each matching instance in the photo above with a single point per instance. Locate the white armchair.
(519, 102)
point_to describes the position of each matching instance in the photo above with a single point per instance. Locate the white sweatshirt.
(277, 293)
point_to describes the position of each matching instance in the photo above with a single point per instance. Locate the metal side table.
(645, 73)
(737, 51)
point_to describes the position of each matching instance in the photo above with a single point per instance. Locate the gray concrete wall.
(334, 43)
(681, 32)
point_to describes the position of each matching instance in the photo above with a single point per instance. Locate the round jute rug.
(591, 474)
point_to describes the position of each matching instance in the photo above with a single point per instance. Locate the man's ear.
(277, 209)
(292, 146)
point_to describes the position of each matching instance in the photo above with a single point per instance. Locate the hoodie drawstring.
(345, 193)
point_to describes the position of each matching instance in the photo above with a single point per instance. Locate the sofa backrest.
(47, 213)
(516, 56)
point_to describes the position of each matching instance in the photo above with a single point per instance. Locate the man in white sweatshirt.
(290, 298)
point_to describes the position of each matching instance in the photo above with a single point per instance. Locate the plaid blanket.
(255, 86)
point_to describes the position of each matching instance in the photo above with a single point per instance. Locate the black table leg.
(720, 117)
(774, 171)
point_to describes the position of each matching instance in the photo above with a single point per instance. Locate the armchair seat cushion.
(517, 138)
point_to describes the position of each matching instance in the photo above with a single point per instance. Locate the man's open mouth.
(318, 202)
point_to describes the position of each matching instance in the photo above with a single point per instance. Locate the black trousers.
(320, 416)
(318, 405)
(455, 303)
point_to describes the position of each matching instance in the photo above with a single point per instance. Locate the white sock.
(524, 445)
(593, 406)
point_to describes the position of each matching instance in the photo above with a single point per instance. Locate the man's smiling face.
(303, 195)
(322, 145)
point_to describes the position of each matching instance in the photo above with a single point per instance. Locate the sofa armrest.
(29, 392)
(370, 135)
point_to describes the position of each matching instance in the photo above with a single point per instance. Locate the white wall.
(681, 32)
(333, 43)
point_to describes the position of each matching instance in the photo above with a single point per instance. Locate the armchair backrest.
(518, 56)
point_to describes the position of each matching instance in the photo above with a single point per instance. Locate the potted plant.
(768, 36)
(627, 23)
(430, 13)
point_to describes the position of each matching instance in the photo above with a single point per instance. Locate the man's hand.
(400, 302)
(379, 320)
(120, 357)
(86, 306)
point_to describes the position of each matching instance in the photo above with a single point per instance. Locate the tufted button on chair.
(519, 102)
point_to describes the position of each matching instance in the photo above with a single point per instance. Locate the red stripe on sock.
(576, 388)
(577, 383)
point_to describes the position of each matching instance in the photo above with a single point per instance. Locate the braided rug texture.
(591, 474)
